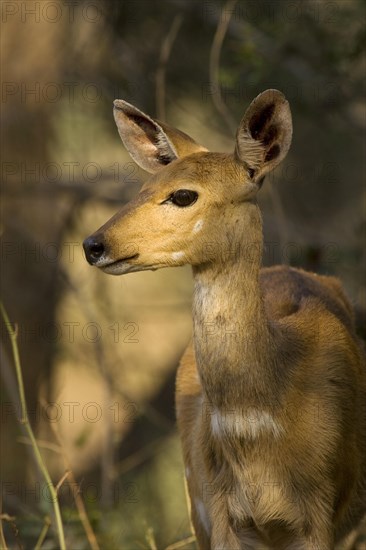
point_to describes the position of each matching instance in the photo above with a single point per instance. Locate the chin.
(122, 268)
(133, 265)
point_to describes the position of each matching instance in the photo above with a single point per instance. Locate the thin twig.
(82, 513)
(221, 30)
(43, 533)
(3, 517)
(150, 539)
(2, 536)
(215, 53)
(25, 421)
(42, 444)
(8, 377)
(75, 490)
(64, 477)
(11, 521)
(181, 543)
(165, 51)
(10, 385)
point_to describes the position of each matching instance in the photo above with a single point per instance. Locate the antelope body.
(271, 395)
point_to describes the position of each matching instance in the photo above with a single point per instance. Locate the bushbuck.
(271, 395)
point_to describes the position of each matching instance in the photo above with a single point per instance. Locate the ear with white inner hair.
(264, 134)
(151, 144)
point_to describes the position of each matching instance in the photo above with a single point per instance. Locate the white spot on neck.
(216, 422)
(198, 226)
(202, 515)
(250, 424)
(207, 301)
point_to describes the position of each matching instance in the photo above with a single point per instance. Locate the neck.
(233, 338)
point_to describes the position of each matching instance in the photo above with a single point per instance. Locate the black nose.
(94, 249)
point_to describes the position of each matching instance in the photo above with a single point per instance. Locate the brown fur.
(320, 402)
(271, 395)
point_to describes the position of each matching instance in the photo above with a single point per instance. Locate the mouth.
(118, 267)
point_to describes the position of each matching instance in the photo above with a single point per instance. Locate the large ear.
(264, 134)
(151, 144)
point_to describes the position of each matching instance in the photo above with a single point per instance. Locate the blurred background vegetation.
(98, 353)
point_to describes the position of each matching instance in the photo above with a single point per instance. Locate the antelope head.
(193, 196)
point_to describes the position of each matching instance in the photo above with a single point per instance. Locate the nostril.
(94, 249)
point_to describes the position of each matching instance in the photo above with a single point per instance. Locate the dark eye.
(183, 197)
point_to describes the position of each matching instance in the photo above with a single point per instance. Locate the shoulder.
(287, 290)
